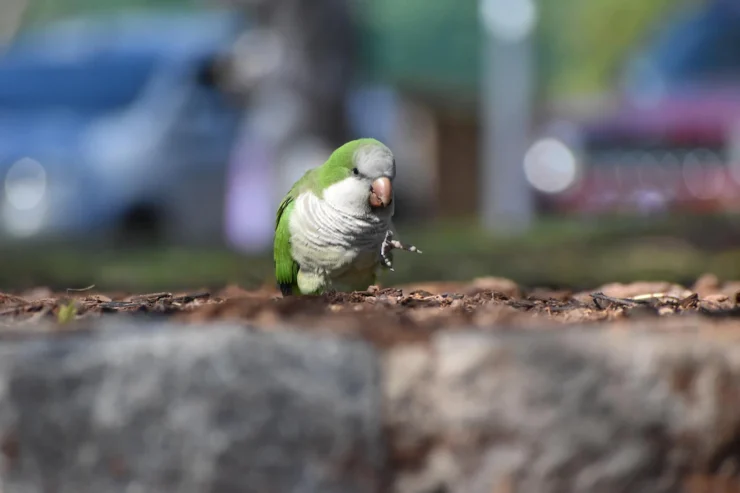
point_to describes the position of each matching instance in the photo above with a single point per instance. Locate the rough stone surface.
(216, 408)
(577, 410)
(197, 409)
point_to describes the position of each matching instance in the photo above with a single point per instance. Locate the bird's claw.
(390, 244)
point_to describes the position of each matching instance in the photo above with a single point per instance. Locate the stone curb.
(220, 408)
(163, 408)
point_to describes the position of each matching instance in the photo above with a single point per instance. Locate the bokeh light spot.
(550, 166)
(25, 184)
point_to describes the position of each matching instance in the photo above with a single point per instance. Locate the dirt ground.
(394, 315)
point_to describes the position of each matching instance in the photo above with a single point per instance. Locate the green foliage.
(435, 46)
(585, 42)
(67, 313)
(420, 44)
(41, 11)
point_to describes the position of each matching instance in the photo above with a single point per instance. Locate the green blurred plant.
(585, 42)
(67, 312)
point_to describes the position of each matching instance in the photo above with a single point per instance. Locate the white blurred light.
(25, 184)
(733, 151)
(258, 54)
(646, 167)
(550, 166)
(510, 20)
(668, 172)
(119, 144)
(700, 174)
(649, 201)
(23, 223)
(276, 113)
(670, 160)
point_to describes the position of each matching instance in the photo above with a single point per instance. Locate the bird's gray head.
(368, 186)
(375, 167)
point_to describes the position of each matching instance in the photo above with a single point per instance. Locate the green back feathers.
(286, 269)
(335, 169)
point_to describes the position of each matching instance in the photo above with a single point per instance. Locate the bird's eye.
(355, 171)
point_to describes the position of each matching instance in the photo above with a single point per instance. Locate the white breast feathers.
(325, 239)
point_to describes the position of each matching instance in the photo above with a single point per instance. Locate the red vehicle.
(672, 141)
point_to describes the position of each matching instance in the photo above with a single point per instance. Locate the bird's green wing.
(286, 268)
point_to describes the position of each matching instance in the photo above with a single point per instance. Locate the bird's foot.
(390, 244)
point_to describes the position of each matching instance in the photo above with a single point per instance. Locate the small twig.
(599, 296)
(113, 305)
(80, 290)
(656, 296)
(150, 298)
(690, 301)
(188, 298)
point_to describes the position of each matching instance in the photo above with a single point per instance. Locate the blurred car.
(670, 141)
(108, 128)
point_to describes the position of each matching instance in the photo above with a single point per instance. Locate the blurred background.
(146, 144)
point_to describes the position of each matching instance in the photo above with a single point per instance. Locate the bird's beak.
(381, 193)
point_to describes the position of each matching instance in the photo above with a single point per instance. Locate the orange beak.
(381, 193)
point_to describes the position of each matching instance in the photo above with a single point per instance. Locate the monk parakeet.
(333, 229)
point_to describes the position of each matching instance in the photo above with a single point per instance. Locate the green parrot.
(333, 229)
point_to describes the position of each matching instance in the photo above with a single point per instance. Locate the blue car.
(107, 126)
